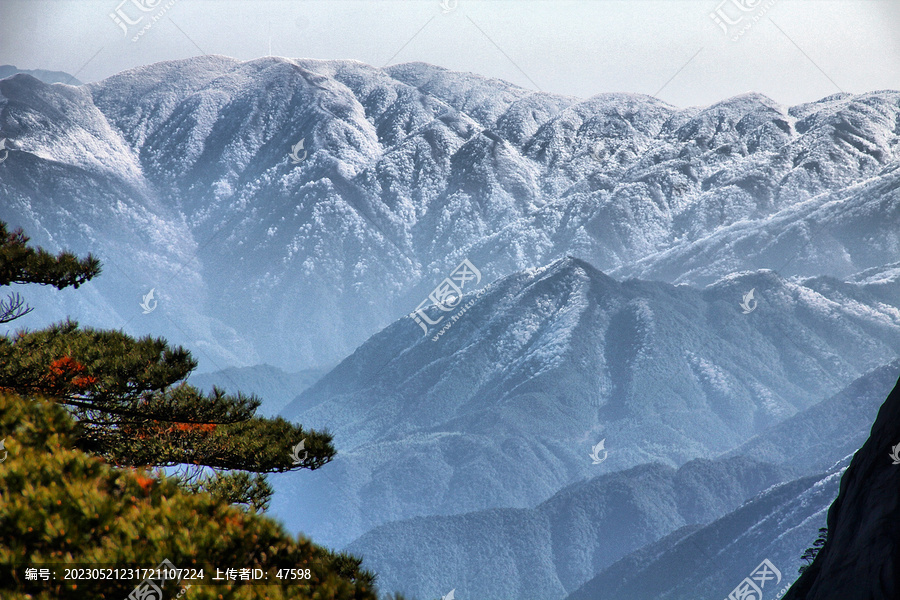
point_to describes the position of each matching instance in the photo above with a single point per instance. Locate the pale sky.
(791, 50)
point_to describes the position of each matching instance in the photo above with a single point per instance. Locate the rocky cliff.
(861, 559)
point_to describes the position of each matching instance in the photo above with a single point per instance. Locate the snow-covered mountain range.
(180, 176)
(669, 281)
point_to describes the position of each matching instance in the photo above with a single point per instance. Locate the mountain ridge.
(583, 527)
(503, 409)
(400, 182)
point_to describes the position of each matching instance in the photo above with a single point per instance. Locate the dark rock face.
(861, 559)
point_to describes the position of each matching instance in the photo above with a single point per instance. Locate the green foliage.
(132, 410)
(21, 263)
(61, 505)
(237, 487)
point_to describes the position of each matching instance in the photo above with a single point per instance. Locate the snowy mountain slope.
(490, 102)
(682, 566)
(882, 281)
(504, 408)
(71, 181)
(542, 553)
(815, 439)
(712, 561)
(837, 233)
(404, 171)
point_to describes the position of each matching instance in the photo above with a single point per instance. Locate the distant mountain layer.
(274, 387)
(778, 525)
(712, 561)
(45, 76)
(813, 441)
(586, 527)
(504, 408)
(546, 552)
(286, 210)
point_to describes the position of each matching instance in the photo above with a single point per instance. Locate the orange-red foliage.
(145, 482)
(201, 427)
(65, 374)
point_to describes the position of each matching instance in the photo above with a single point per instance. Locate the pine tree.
(130, 399)
(809, 555)
(61, 507)
(21, 263)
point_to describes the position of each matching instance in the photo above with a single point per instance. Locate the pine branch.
(21, 263)
(132, 410)
(12, 308)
